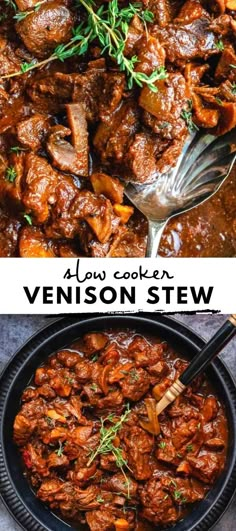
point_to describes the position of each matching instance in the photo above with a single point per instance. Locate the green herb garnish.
(109, 25)
(106, 446)
(28, 219)
(10, 174)
(93, 387)
(220, 46)
(60, 450)
(100, 499)
(187, 115)
(233, 89)
(162, 445)
(189, 448)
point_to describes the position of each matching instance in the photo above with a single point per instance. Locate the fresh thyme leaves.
(93, 387)
(109, 25)
(219, 101)
(11, 4)
(60, 450)
(94, 358)
(3, 17)
(50, 421)
(10, 174)
(27, 66)
(28, 219)
(186, 114)
(178, 496)
(189, 448)
(162, 445)
(220, 46)
(233, 89)
(99, 499)
(21, 15)
(16, 149)
(106, 446)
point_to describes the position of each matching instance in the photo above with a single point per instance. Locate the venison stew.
(92, 447)
(95, 94)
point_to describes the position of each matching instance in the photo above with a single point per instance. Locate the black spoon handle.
(211, 349)
(200, 362)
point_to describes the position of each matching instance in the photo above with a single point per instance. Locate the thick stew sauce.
(93, 448)
(95, 94)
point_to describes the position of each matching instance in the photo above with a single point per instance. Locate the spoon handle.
(200, 362)
(155, 230)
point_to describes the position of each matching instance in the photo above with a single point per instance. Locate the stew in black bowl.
(93, 448)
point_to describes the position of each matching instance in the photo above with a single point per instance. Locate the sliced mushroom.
(66, 156)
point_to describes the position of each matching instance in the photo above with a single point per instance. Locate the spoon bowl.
(204, 164)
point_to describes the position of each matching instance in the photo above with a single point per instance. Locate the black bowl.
(15, 490)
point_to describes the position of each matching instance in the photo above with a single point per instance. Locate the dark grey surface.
(15, 330)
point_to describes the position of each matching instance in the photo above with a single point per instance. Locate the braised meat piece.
(182, 42)
(31, 132)
(92, 446)
(157, 507)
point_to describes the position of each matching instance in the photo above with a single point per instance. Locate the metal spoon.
(203, 166)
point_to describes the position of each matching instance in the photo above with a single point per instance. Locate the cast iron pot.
(16, 493)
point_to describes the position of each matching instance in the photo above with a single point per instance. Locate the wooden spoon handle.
(199, 362)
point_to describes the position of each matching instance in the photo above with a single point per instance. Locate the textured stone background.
(15, 330)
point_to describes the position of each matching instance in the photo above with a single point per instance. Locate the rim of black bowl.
(28, 514)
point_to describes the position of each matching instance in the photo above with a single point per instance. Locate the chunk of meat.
(56, 461)
(138, 445)
(151, 55)
(32, 131)
(68, 359)
(182, 42)
(117, 483)
(34, 244)
(112, 138)
(141, 158)
(167, 104)
(100, 520)
(185, 432)
(23, 428)
(156, 506)
(161, 11)
(94, 342)
(183, 490)
(48, 489)
(204, 467)
(191, 10)
(9, 234)
(135, 384)
(134, 36)
(43, 30)
(210, 408)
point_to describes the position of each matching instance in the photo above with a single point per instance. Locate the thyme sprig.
(106, 446)
(21, 15)
(187, 115)
(109, 25)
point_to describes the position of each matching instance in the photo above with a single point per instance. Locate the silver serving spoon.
(203, 166)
